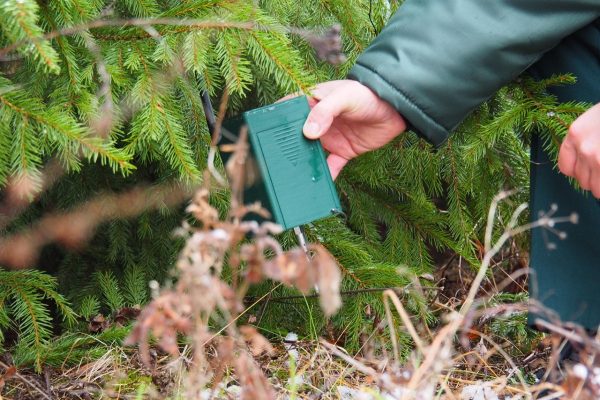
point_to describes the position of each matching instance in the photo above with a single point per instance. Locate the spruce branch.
(275, 61)
(19, 21)
(194, 8)
(111, 290)
(235, 67)
(61, 128)
(142, 8)
(135, 286)
(24, 296)
(89, 307)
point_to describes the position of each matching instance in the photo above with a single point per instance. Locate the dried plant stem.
(390, 322)
(447, 390)
(74, 227)
(360, 367)
(503, 353)
(433, 352)
(22, 190)
(216, 135)
(570, 335)
(489, 229)
(444, 337)
(139, 22)
(389, 294)
(492, 251)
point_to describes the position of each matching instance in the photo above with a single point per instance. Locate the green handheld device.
(294, 183)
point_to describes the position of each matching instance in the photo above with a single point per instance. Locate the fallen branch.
(27, 382)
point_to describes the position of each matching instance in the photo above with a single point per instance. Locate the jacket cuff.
(418, 120)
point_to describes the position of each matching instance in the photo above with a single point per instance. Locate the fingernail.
(311, 129)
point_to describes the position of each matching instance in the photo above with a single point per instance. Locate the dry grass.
(302, 370)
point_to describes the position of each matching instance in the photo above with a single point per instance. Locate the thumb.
(323, 113)
(567, 158)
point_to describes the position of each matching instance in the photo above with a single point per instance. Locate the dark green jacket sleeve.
(437, 60)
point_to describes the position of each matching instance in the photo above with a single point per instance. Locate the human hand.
(579, 155)
(350, 120)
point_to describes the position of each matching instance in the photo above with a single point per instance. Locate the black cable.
(208, 111)
(355, 292)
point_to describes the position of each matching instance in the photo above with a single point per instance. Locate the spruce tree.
(112, 90)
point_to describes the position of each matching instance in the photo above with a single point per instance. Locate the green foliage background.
(118, 105)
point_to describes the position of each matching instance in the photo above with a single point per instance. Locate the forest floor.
(302, 370)
(480, 364)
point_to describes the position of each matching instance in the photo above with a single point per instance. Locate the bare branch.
(139, 22)
(75, 227)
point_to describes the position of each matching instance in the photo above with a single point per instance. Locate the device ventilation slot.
(288, 138)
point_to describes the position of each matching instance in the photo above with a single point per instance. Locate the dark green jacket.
(439, 59)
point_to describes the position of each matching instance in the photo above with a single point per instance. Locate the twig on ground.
(351, 361)
(570, 335)
(27, 382)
